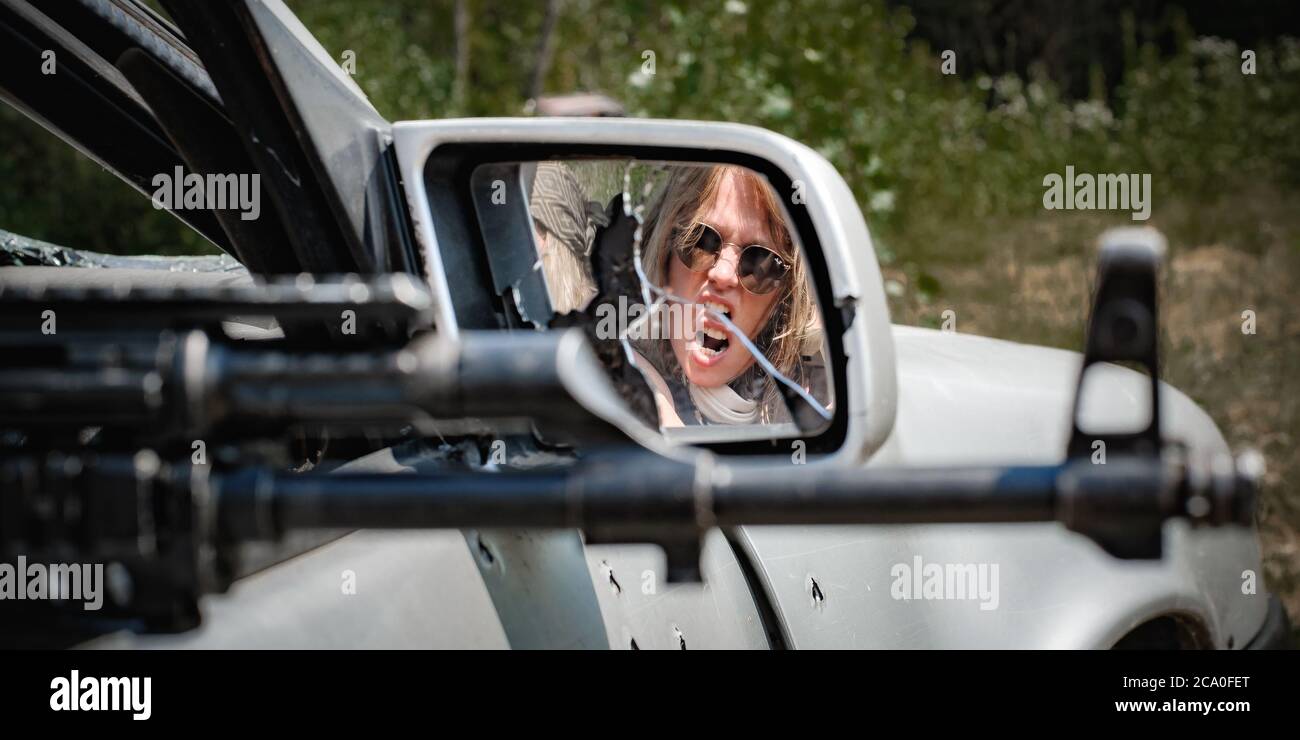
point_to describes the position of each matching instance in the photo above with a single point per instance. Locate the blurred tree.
(926, 153)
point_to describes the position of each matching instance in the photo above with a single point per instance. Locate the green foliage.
(937, 162)
(50, 192)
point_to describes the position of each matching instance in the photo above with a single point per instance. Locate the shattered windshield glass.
(17, 250)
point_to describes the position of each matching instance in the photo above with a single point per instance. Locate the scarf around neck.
(722, 405)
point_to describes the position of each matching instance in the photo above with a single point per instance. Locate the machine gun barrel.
(258, 503)
(185, 384)
(626, 497)
(177, 528)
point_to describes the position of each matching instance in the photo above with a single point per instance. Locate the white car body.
(915, 397)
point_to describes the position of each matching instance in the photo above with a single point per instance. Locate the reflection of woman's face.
(738, 214)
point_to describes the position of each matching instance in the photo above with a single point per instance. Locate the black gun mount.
(156, 371)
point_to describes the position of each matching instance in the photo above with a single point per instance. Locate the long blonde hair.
(689, 193)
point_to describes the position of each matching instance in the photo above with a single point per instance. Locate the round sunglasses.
(761, 270)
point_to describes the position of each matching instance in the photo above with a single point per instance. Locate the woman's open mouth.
(712, 339)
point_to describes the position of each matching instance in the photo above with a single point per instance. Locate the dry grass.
(1032, 285)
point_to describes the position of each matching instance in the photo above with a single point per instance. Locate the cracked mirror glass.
(688, 278)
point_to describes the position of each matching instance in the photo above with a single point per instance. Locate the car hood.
(964, 399)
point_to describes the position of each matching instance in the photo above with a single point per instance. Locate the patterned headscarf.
(558, 202)
(560, 207)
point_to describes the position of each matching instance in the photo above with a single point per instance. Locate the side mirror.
(538, 224)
